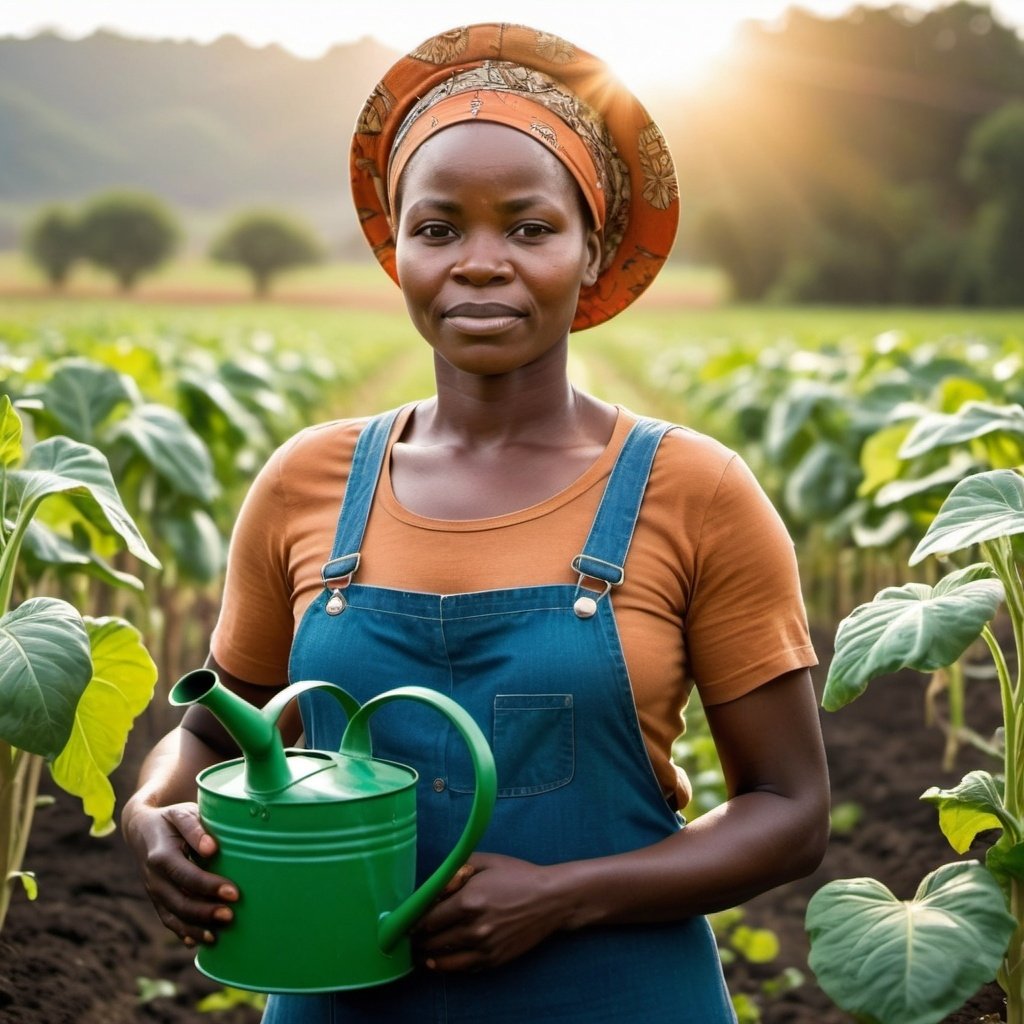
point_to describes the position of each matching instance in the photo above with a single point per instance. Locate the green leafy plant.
(228, 998)
(70, 685)
(737, 940)
(914, 961)
(155, 988)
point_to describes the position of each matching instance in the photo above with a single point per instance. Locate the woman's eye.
(532, 230)
(435, 232)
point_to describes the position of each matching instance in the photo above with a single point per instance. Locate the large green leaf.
(973, 419)
(198, 547)
(954, 392)
(44, 669)
(1005, 859)
(821, 483)
(974, 805)
(10, 434)
(62, 466)
(174, 450)
(81, 394)
(908, 961)
(879, 458)
(239, 424)
(790, 412)
(880, 533)
(913, 626)
(980, 508)
(121, 686)
(45, 547)
(958, 467)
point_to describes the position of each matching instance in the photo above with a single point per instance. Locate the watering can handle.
(356, 743)
(275, 706)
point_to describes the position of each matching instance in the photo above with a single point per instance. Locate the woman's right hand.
(191, 902)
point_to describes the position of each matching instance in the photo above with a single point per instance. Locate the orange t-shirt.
(711, 594)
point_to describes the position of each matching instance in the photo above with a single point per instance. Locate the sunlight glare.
(688, 43)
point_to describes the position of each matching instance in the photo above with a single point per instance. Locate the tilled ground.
(76, 955)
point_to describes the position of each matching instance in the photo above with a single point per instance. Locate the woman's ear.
(595, 246)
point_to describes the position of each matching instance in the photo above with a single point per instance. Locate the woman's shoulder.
(313, 461)
(696, 475)
(690, 457)
(331, 439)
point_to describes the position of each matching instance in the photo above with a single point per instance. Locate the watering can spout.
(266, 766)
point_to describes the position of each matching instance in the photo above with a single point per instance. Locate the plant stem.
(1005, 689)
(3, 504)
(6, 824)
(9, 555)
(19, 783)
(19, 773)
(1000, 552)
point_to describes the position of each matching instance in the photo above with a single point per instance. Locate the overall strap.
(355, 508)
(604, 553)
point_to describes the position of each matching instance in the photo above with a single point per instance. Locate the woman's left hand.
(502, 909)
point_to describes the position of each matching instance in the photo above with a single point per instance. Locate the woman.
(560, 567)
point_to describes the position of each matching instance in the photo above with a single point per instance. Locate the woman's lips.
(482, 317)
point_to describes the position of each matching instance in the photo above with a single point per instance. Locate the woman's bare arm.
(773, 828)
(160, 822)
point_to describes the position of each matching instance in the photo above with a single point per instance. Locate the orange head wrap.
(467, 98)
(558, 94)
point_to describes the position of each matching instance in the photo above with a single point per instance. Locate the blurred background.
(827, 152)
(183, 286)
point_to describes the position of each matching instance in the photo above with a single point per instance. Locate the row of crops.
(857, 435)
(185, 419)
(857, 438)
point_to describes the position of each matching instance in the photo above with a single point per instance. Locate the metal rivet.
(336, 605)
(438, 785)
(585, 607)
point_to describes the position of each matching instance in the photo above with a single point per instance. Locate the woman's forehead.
(482, 152)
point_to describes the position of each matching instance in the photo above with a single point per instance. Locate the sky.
(662, 42)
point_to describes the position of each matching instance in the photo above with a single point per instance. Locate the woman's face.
(492, 247)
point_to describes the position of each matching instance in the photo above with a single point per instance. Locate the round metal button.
(585, 607)
(438, 785)
(336, 605)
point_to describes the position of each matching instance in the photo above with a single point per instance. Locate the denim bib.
(541, 670)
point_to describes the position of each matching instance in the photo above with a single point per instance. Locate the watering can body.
(321, 844)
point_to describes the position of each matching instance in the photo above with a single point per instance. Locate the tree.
(128, 233)
(994, 164)
(53, 242)
(266, 242)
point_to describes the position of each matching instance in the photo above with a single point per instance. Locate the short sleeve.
(253, 636)
(746, 623)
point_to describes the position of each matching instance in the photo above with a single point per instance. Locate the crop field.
(858, 422)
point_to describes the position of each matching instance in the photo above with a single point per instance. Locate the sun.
(679, 52)
(649, 44)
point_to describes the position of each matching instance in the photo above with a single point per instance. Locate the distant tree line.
(130, 234)
(877, 157)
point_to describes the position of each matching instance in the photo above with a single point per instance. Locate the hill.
(207, 127)
(824, 161)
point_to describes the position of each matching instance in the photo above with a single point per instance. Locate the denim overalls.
(542, 672)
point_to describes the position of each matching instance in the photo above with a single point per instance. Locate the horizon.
(675, 44)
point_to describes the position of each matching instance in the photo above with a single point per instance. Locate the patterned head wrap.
(565, 99)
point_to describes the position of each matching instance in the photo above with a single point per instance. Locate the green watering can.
(322, 845)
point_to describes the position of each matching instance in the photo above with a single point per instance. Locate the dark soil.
(76, 955)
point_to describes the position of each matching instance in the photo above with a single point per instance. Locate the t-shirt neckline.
(598, 469)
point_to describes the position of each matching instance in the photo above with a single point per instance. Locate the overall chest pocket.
(533, 740)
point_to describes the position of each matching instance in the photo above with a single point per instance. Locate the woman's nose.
(482, 260)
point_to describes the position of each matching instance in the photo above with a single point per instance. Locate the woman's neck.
(535, 403)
